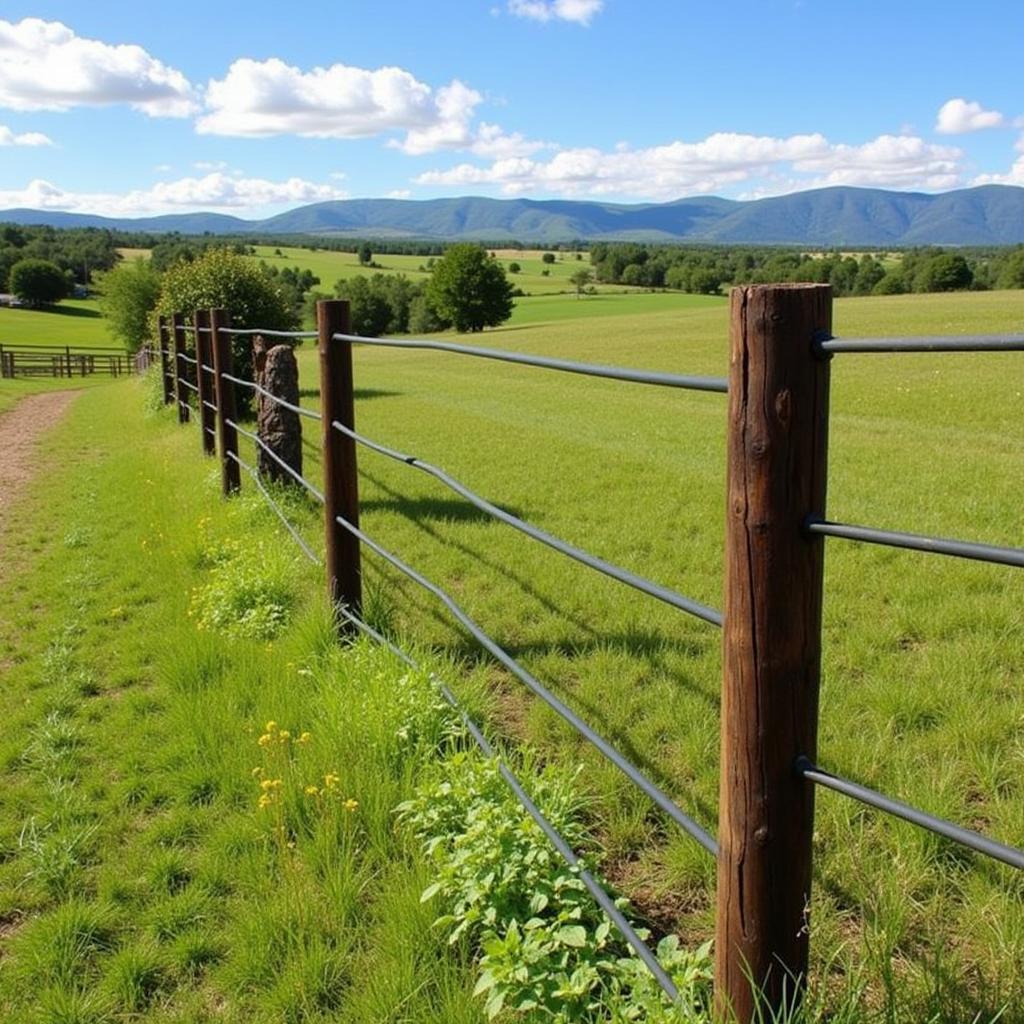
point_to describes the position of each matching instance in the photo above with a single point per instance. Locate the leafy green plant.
(547, 951)
(250, 591)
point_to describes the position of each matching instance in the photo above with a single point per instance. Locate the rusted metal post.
(227, 436)
(777, 449)
(341, 486)
(207, 420)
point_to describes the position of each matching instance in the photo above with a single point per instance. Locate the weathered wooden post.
(207, 419)
(230, 471)
(341, 485)
(777, 445)
(178, 342)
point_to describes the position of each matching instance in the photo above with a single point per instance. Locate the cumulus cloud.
(212, 192)
(958, 116)
(1015, 176)
(45, 66)
(264, 98)
(9, 138)
(579, 11)
(718, 162)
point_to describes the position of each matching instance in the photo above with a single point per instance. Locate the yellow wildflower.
(304, 738)
(285, 735)
(270, 726)
(257, 772)
(350, 805)
(264, 739)
(331, 780)
(265, 801)
(312, 791)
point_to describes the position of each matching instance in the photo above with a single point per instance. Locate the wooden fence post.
(165, 359)
(777, 451)
(207, 419)
(230, 471)
(178, 345)
(341, 485)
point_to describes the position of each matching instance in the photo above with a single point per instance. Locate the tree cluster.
(706, 270)
(76, 252)
(467, 290)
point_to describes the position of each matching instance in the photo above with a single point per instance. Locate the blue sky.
(250, 108)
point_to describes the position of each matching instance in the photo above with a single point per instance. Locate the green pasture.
(72, 322)
(922, 654)
(332, 266)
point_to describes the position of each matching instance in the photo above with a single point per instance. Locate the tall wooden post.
(341, 486)
(165, 359)
(777, 446)
(180, 366)
(204, 357)
(227, 436)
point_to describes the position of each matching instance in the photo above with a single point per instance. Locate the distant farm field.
(333, 266)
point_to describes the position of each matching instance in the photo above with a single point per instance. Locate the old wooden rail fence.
(781, 348)
(65, 361)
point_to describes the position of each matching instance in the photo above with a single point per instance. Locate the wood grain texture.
(227, 436)
(204, 357)
(776, 475)
(341, 482)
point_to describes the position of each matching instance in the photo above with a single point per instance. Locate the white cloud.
(264, 98)
(714, 164)
(493, 143)
(1015, 176)
(45, 66)
(218, 192)
(578, 11)
(957, 116)
(399, 193)
(210, 165)
(8, 138)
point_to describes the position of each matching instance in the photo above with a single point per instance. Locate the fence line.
(66, 361)
(776, 529)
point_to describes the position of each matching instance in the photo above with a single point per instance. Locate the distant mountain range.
(988, 215)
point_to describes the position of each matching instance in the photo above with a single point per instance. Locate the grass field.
(923, 655)
(140, 877)
(331, 266)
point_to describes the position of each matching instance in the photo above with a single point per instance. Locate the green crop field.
(923, 655)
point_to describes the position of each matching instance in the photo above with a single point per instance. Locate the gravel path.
(20, 430)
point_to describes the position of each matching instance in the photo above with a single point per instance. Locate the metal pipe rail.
(188, 359)
(188, 384)
(308, 413)
(538, 689)
(267, 334)
(964, 836)
(656, 377)
(306, 549)
(616, 572)
(918, 542)
(941, 343)
(298, 477)
(607, 904)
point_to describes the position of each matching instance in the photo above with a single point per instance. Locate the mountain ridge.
(828, 217)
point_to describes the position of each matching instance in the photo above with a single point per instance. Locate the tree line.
(70, 257)
(706, 270)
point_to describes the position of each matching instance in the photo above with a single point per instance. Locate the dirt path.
(20, 429)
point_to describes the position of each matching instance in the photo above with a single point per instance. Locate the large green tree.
(129, 296)
(38, 282)
(221, 279)
(469, 289)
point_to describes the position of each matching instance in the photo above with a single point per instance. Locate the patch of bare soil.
(20, 430)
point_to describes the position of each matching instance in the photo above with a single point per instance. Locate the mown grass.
(922, 654)
(139, 877)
